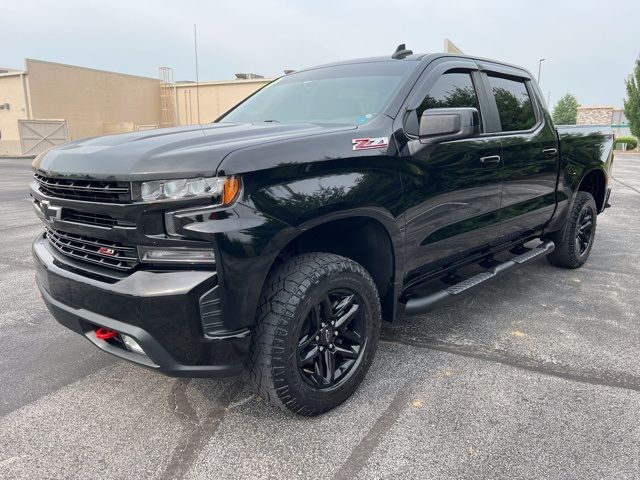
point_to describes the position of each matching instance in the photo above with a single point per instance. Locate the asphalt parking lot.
(536, 376)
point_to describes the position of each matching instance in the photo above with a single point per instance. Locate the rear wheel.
(575, 240)
(316, 333)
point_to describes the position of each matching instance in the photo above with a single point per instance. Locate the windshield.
(345, 94)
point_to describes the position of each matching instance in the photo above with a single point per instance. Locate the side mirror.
(445, 124)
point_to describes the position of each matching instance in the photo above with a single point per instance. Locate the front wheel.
(316, 333)
(575, 240)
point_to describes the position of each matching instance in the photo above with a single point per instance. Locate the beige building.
(93, 102)
(50, 103)
(14, 106)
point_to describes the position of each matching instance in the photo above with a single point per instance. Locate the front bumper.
(158, 309)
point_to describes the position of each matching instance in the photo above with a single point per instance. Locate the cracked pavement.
(534, 376)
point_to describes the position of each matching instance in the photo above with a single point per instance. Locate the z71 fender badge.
(369, 143)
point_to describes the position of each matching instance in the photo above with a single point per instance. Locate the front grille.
(88, 218)
(87, 190)
(102, 252)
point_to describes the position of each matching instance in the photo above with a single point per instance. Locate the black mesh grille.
(88, 218)
(94, 250)
(87, 190)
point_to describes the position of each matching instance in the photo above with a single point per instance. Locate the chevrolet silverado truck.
(277, 238)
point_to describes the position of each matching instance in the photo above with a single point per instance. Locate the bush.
(632, 142)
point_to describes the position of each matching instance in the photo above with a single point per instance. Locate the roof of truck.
(416, 57)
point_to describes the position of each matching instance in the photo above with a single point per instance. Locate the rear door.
(451, 189)
(529, 152)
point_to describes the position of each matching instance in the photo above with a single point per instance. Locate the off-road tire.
(288, 295)
(566, 254)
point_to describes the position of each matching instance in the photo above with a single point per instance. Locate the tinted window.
(453, 89)
(514, 103)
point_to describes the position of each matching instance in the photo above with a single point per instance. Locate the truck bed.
(585, 141)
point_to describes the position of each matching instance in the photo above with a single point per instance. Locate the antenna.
(401, 52)
(195, 44)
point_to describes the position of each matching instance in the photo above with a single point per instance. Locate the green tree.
(566, 110)
(632, 102)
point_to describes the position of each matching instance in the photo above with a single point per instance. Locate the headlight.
(223, 189)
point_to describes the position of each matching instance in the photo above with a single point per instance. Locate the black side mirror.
(444, 124)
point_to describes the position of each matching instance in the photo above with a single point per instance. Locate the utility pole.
(540, 68)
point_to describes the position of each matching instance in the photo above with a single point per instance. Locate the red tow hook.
(104, 333)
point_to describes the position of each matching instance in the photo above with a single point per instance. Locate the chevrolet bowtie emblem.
(49, 212)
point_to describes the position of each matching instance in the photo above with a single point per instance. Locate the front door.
(451, 189)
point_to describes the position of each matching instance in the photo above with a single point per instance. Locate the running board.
(423, 304)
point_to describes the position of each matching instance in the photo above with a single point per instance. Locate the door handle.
(490, 160)
(549, 152)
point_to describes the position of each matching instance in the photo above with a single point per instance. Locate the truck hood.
(167, 153)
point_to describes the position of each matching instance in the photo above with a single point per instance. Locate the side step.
(423, 304)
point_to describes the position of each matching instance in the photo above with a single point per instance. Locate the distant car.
(278, 237)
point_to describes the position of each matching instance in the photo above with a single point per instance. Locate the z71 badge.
(369, 143)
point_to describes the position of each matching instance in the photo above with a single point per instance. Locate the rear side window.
(514, 104)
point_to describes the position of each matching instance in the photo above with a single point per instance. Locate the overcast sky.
(590, 46)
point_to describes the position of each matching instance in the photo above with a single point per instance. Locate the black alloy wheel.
(585, 230)
(331, 339)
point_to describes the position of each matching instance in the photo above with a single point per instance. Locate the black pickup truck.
(276, 238)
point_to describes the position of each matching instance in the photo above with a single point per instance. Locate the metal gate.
(38, 135)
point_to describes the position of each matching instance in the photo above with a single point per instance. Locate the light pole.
(540, 68)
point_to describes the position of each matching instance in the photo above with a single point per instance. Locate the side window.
(453, 89)
(513, 102)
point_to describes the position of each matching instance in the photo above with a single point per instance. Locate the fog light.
(175, 255)
(131, 344)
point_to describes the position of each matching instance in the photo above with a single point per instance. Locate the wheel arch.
(368, 237)
(594, 182)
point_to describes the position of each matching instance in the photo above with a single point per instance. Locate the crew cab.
(278, 237)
